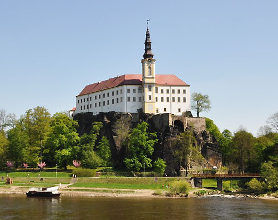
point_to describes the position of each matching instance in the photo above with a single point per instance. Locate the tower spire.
(148, 44)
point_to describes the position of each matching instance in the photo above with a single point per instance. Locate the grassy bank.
(125, 182)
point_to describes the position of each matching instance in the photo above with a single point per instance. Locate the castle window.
(103, 103)
(165, 109)
(107, 94)
(107, 102)
(150, 88)
(87, 99)
(112, 101)
(157, 110)
(90, 98)
(113, 93)
(117, 100)
(121, 91)
(84, 107)
(95, 97)
(117, 92)
(81, 100)
(184, 91)
(99, 104)
(121, 99)
(173, 99)
(184, 99)
(179, 110)
(140, 99)
(156, 89)
(156, 99)
(134, 90)
(81, 107)
(128, 99)
(99, 96)
(161, 90)
(168, 99)
(140, 89)
(84, 100)
(77, 101)
(95, 105)
(162, 99)
(103, 96)
(128, 90)
(179, 91)
(150, 97)
(179, 99)
(134, 99)
(167, 91)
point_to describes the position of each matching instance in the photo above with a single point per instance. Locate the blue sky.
(49, 50)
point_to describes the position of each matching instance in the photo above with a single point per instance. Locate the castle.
(151, 92)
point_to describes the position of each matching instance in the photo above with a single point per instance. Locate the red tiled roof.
(131, 79)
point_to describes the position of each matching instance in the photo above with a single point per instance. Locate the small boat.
(43, 192)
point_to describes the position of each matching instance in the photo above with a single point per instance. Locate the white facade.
(172, 99)
(129, 98)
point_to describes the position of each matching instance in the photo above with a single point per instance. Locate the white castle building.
(151, 92)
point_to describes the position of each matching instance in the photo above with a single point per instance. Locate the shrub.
(255, 186)
(81, 172)
(179, 187)
(158, 192)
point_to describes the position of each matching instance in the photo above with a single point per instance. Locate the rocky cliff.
(166, 126)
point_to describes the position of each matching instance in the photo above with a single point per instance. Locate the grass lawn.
(35, 174)
(125, 182)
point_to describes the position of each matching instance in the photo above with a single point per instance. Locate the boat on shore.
(51, 192)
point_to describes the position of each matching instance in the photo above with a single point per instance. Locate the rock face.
(166, 126)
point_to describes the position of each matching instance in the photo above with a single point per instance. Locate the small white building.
(151, 92)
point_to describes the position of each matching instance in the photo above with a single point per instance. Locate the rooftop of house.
(131, 79)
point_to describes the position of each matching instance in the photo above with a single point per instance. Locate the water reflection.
(118, 208)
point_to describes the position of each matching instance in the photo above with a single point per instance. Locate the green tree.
(103, 151)
(88, 143)
(270, 173)
(140, 148)
(200, 103)
(159, 166)
(18, 143)
(3, 149)
(243, 149)
(91, 160)
(36, 125)
(187, 151)
(61, 140)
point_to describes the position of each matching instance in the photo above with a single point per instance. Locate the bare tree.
(272, 121)
(6, 120)
(121, 128)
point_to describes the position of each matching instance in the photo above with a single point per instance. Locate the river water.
(14, 207)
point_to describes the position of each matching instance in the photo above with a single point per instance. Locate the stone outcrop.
(166, 126)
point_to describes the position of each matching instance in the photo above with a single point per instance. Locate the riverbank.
(126, 193)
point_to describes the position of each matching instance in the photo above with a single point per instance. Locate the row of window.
(113, 101)
(168, 99)
(168, 91)
(103, 96)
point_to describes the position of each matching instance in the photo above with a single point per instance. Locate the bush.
(179, 187)
(81, 172)
(255, 186)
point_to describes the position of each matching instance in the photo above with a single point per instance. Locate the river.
(15, 207)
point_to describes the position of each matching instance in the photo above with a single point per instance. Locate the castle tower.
(148, 76)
